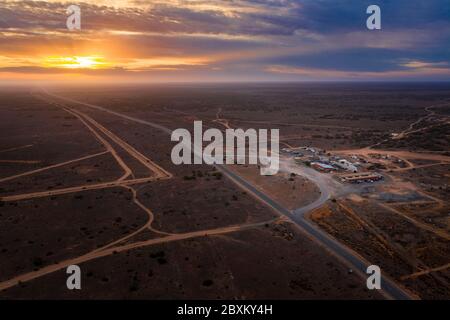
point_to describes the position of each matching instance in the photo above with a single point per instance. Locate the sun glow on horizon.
(76, 62)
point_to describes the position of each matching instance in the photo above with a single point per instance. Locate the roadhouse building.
(346, 165)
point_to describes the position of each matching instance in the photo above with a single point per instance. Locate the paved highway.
(391, 290)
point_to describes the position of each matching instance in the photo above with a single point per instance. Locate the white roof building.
(344, 164)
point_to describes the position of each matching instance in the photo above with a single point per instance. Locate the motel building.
(361, 177)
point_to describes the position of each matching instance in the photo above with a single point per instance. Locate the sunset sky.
(228, 40)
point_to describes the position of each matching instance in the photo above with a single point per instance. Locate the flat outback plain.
(86, 178)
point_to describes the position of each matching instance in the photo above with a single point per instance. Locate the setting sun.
(76, 62)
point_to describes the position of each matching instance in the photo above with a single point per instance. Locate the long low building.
(361, 177)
